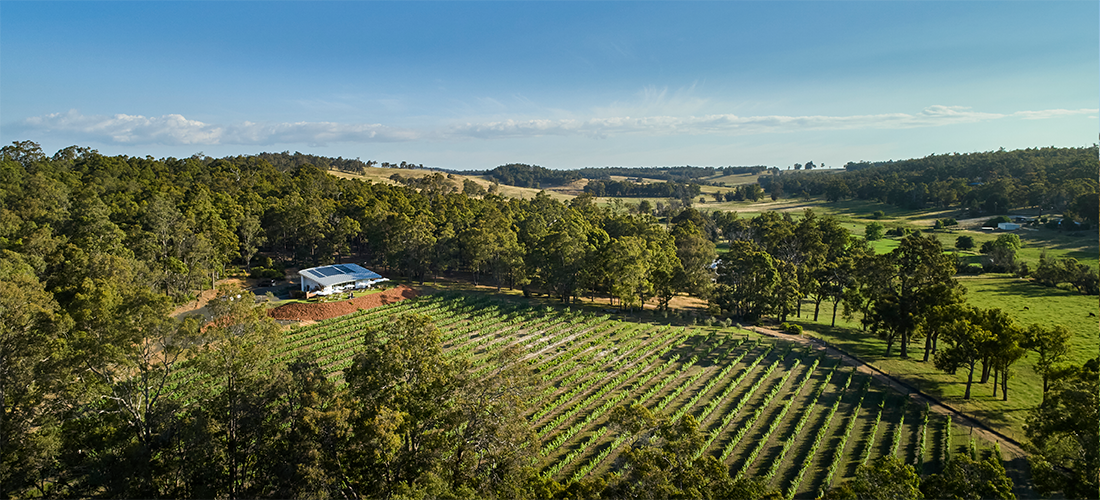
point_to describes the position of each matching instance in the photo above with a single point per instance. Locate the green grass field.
(1046, 306)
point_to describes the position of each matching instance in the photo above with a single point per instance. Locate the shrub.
(266, 273)
(784, 326)
(996, 220)
(964, 242)
(878, 214)
(794, 329)
(873, 231)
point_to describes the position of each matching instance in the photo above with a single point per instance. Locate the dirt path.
(1009, 447)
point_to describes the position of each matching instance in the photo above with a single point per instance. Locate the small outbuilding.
(1008, 226)
(330, 279)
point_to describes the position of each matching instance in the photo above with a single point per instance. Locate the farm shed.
(329, 279)
(1008, 226)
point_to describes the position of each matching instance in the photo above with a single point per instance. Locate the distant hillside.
(1052, 179)
(534, 176)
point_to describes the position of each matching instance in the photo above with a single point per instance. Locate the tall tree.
(234, 423)
(922, 278)
(968, 345)
(626, 265)
(1052, 346)
(696, 253)
(33, 369)
(747, 279)
(563, 257)
(417, 414)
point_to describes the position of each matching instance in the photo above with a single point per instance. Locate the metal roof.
(339, 273)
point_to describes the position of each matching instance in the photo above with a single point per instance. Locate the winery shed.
(334, 278)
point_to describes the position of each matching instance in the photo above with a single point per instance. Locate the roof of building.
(339, 273)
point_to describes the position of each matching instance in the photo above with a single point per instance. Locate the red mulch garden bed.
(326, 310)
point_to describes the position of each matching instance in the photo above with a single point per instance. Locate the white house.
(1008, 226)
(328, 279)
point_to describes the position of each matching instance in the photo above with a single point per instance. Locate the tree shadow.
(1031, 290)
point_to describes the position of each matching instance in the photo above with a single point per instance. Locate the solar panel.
(313, 273)
(329, 271)
(344, 269)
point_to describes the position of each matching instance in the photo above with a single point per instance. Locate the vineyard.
(769, 409)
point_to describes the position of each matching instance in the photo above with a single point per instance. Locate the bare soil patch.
(325, 310)
(205, 296)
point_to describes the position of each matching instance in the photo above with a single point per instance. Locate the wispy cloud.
(177, 130)
(730, 124)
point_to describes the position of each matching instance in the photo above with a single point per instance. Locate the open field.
(382, 175)
(770, 409)
(733, 179)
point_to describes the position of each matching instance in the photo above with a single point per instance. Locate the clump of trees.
(531, 176)
(1063, 436)
(627, 188)
(744, 192)
(1066, 270)
(962, 477)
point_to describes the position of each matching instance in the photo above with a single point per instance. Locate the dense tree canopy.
(1052, 179)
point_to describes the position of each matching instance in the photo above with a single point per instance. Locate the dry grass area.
(382, 175)
(196, 306)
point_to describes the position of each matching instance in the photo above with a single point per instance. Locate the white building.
(1008, 226)
(329, 279)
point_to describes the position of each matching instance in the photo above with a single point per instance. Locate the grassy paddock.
(1046, 306)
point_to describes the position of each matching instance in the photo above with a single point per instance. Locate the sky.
(565, 84)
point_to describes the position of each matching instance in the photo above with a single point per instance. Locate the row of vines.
(768, 409)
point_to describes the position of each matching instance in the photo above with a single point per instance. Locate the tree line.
(1051, 179)
(631, 189)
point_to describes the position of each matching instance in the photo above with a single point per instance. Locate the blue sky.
(472, 85)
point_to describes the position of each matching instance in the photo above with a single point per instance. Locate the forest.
(97, 250)
(1059, 180)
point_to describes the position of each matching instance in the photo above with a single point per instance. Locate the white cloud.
(175, 129)
(126, 129)
(1052, 113)
(730, 124)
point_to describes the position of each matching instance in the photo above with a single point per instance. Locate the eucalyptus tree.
(34, 367)
(418, 415)
(1052, 346)
(232, 425)
(747, 280)
(563, 260)
(1063, 438)
(903, 287)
